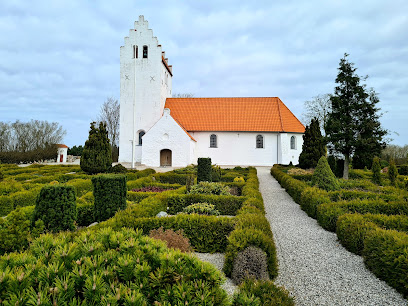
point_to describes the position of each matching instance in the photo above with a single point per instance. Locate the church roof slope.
(234, 114)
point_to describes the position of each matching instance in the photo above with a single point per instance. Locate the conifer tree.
(353, 122)
(313, 146)
(376, 169)
(323, 177)
(392, 172)
(96, 156)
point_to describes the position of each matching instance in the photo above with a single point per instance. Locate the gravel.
(313, 266)
(218, 259)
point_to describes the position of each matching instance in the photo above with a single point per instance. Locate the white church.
(157, 130)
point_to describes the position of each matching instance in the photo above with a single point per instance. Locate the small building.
(62, 153)
(157, 130)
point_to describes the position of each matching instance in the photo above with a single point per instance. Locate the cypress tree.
(392, 172)
(96, 156)
(353, 124)
(313, 146)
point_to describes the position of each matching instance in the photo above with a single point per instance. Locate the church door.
(165, 158)
(61, 158)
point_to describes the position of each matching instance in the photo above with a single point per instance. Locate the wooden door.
(61, 158)
(165, 158)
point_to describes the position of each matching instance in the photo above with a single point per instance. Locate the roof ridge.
(280, 115)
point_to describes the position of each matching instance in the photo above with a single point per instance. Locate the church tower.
(145, 83)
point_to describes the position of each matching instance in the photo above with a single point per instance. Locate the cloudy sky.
(59, 60)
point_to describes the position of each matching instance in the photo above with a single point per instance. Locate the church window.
(259, 142)
(144, 51)
(135, 51)
(141, 133)
(293, 143)
(213, 141)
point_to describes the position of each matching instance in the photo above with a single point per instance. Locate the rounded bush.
(250, 262)
(201, 209)
(323, 177)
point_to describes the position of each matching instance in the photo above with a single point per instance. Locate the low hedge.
(291, 185)
(360, 194)
(311, 198)
(136, 174)
(6, 205)
(352, 229)
(242, 238)
(25, 198)
(85, 214)
(328, 213)
(81, 186)
(386, 255)
(139, 196)
(171, 178)
(226, 205)
(207, 234)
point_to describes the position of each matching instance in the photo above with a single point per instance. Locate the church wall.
(287, 153)
(142, 88)
(237, 148)
(166, 134)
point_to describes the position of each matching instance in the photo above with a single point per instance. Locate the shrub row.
(207, 234)
(18, 199)
(252, 228)
(226, 205)
(171, 178)
(383, 246)
(107, 267)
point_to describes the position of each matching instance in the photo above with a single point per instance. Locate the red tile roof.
(62, 146)
(234, 114)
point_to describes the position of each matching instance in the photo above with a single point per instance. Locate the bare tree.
(183, 95)
(319, 107)
(110, 114)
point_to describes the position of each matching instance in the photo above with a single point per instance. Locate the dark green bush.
(250, 262)
(110, 195)
(376, 170)
(118, 169)
(254, 293)
(392, 173)
(56, 207)
(403, 170)
(323, 177)
(97, 154)
(240, 239)
(85, 214)
(215, 173)
(204, 170)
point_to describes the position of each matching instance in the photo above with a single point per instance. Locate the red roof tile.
(234, 114)
(61, 146)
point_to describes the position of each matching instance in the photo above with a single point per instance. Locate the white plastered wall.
(167, 134)
(64, 153)
(287, 154)
(237, 148)
(145, 83)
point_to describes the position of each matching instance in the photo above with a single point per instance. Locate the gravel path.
(313, 266)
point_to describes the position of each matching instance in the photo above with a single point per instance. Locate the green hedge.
(386, 255)
(207, 234)
(136, 174)
(291, 185)
(139, 196)
(327, 214)
(352, 229)
(110, 195)
(242, 238)
(6, 205)
(85, 214)
(204, 169)
(226, 205)
(81, 186)
(56, 207)
(171, 178)
(311, 198)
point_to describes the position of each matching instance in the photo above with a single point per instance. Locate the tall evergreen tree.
(313, 146)
(353, 122)
(96, 156)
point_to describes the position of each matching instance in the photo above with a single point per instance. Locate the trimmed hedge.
(311, 198)
(6, 205)
(171, 178)
(226, 205)
(56, 207)
(207, 234)
(327, 214)
(110, 195)
(203, 170)
(81, 186)
(85, 214)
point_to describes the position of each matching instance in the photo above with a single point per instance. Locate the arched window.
(144, 51)
(135, 51)
(213, 141)
(293, 143)
(259, 142)
(141, 133)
